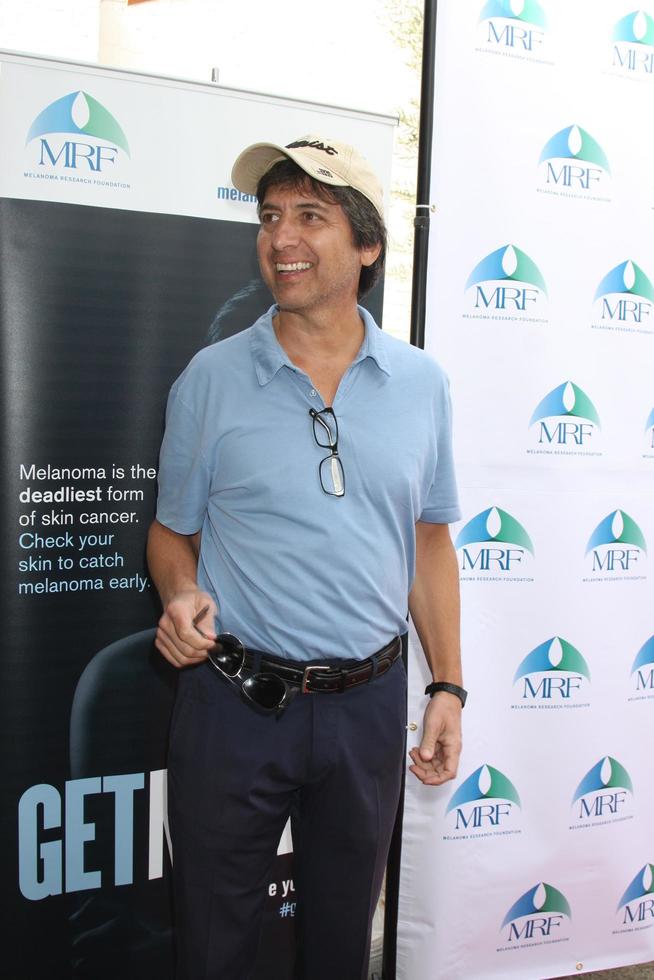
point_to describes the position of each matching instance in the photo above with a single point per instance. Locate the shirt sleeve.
(184, 477)
(442, 503)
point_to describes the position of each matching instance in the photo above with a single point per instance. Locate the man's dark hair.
(366, 223)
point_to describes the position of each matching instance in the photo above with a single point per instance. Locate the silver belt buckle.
(306, 678)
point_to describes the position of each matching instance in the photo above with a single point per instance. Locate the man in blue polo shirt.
(306, 486)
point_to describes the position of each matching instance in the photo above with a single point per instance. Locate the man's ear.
(370, 254)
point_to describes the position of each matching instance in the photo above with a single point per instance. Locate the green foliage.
(405, 25)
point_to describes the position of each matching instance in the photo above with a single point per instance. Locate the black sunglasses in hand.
(265, 690)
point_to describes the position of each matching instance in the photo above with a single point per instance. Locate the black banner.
(100, 310)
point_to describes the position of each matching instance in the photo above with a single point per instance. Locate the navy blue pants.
(333, 763)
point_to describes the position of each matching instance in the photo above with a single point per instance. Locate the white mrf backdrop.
(538, 860)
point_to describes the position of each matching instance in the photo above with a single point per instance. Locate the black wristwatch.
(437, 686)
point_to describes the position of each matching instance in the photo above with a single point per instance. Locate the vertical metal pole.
(418, 309)
(421, 220)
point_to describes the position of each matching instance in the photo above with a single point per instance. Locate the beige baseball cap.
(326, 160)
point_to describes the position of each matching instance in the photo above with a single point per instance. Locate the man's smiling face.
(306, 251)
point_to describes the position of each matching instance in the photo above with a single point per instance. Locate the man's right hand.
(181, 638)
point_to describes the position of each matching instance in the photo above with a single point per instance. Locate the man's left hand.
(437, 758)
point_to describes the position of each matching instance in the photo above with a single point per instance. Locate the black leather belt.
(326, 678)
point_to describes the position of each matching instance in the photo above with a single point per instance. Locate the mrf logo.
(573, 160)
(565, 417)
(633, 44)
(507, 281)
(552, 673)
(649, 430)
(642, 671)
(77, 133)
(513, 26)
(538, 914)
(617, 545)
(484, 801)
(494, 542)
(649, 434)
(637, 903)
(602, 793)
(625, 296)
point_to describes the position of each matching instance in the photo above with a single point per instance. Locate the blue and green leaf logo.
(485, 783)
(645, 655)
(643, 669)
(506, 282)
(640, 887)
(555, 655)
(626, 278)
(528, 11)
(636, 28)
(507, 263)
(542, 898)
(566, 400)
(575, 143)
(649, 430)
(605, 774)
(79, 114)
(617, 528)
(494, 525)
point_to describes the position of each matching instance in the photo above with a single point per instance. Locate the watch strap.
(437, 686)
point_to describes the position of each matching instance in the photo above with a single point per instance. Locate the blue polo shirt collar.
(269, 356)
